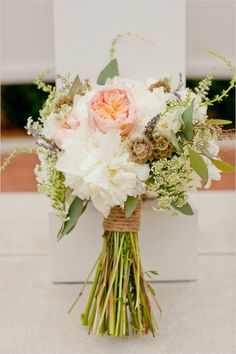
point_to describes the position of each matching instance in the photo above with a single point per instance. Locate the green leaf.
(174, 140)
(186, 209)
(110, 70)
(198, 164)
(223, 166)
(130, 205)
(75, 210)
(204, 150)
(150, 273)
(188, 123)
(218, 121)
(75, 86)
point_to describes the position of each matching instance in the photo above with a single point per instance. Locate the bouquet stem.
(119, 301)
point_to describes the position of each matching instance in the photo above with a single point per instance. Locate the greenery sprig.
(121, 36)
(14, 153)
(224, 93)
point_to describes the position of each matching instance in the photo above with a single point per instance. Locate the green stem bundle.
(119, 303)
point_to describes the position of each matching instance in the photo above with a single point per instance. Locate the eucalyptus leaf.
(174, 140)
(188, 122)
(205, 151)
(110, 70)
(75, 210)
(75, 86)
(218, 121)
(130, 205)
(223, 166)
(198, 164)
(186, 209)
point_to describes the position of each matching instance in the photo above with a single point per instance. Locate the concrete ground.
(198, 317)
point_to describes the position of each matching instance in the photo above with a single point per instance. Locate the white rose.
(171, 120)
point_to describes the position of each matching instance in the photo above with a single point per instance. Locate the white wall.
(209, 24)
(27, 40)
(82, 44)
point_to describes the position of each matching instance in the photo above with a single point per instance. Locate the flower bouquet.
(110, 143)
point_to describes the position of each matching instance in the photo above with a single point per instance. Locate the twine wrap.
(117, 221)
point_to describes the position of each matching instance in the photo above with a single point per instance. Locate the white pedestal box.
(168, 244)
(82, 39)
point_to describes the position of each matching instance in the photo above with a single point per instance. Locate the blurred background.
(27, 49)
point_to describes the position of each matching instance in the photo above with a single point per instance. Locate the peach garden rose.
(113, 109)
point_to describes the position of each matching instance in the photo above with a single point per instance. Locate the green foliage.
(110, 70)
(48, 106)
(218, 121)
(185, 209)
(223, 109)
(223, 166)
(203, 87)
(130, 205)
(204, 150)
(174, 140)
(224, 93)
(198, 164)
(76, 209)
(150, 273)
(75, 86)
(13, 154)
(188, 122)
(226, 61)
(42, 85)
(121, 36)
(51, 181)
(171, 180)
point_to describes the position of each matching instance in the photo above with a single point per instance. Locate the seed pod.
(160, 83)
(140, 149)
(63, 100)
(162, 146)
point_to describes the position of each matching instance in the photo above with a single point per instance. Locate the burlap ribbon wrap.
(117, 221)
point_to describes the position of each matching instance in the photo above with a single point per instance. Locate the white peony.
(96, 166)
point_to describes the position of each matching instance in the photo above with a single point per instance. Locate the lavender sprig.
(151, 125)
(179, 87)
(47, 144)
